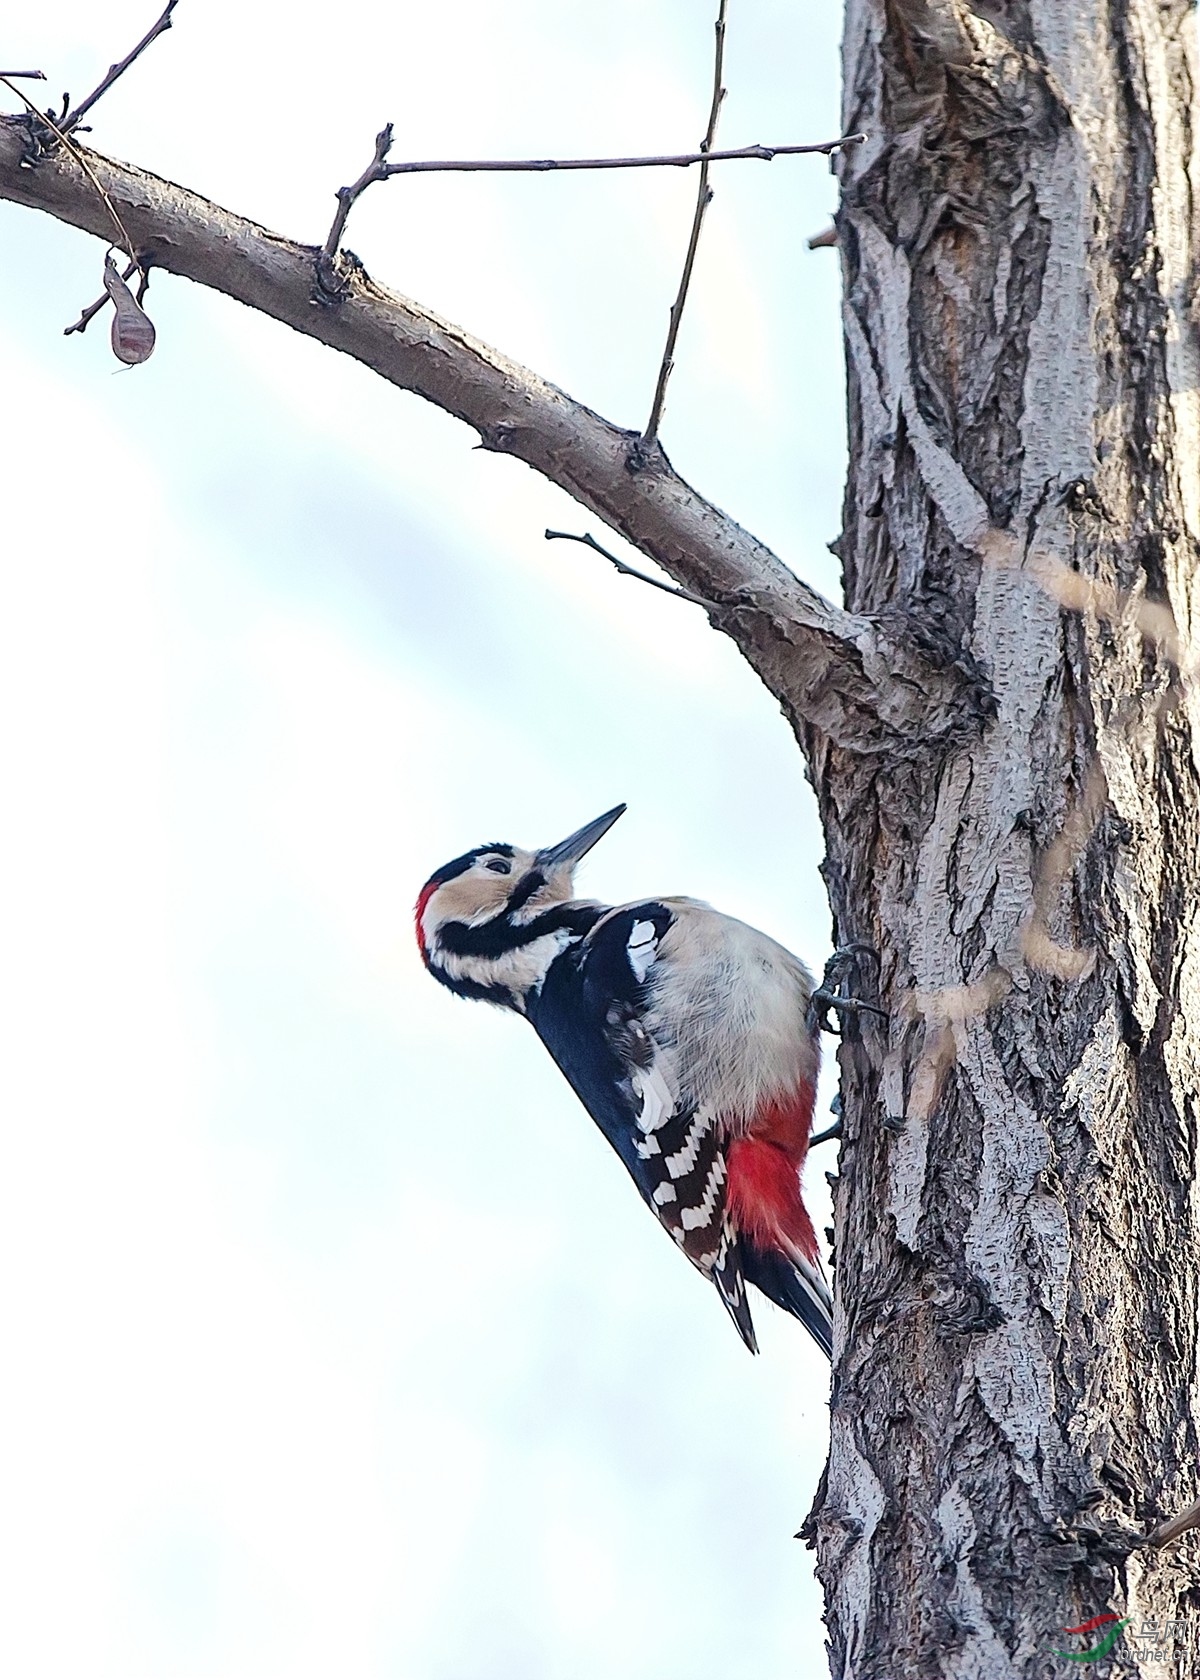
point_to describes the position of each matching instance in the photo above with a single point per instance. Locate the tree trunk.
(1015, 1398)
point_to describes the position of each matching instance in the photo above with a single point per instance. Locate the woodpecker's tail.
(729, 1276)
(796, 1285)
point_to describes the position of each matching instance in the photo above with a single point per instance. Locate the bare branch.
(42, 120)
(703, 200)
(825, 240)
(1175, 1526)
(625, 570)
(862, 681)
(22, 75)
(346, 197)
(668, 160)
(72, 118)
(379, 170)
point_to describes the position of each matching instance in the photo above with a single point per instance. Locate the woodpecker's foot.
(847, 1005)
(844, 965)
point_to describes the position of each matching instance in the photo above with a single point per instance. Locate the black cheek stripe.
(499, 936)
(524, 892)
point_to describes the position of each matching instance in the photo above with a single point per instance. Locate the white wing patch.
(642, 948)
(656, 1097)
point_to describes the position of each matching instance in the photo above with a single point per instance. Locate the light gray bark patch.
(982, 1655)
(957, 500)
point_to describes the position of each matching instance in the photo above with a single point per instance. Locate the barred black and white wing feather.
(674, 1149)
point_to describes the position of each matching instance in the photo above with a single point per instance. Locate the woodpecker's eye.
(498, 866)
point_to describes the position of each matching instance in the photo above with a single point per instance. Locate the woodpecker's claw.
(827, 1136)
(851, 1005)
(843, 964)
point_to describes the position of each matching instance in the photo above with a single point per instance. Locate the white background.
(336, 1342)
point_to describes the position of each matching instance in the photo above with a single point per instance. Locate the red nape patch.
(426, 893)
(763, 1193)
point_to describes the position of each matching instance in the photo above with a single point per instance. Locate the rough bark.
(863, 680)
(1015, 1398)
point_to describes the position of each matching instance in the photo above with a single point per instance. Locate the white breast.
(731, 1004)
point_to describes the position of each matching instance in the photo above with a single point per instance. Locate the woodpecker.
(686, 1036)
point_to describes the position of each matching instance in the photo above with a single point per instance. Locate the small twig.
(102, 302)
(23, 75)
(1171, 1530)
(44, 118)
(71, 119)
(824, 241)
(376, 170)
(631, 571)
(672, 160)
(703, 200)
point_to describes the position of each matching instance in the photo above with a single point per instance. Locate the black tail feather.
(797, 1288)
(727, 1274)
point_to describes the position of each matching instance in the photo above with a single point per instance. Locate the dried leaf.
(132, 329)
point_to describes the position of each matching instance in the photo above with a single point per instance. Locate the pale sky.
(336, 1341)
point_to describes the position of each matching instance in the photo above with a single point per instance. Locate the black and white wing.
(590, 1015)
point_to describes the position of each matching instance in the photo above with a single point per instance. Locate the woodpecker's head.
(490, 923)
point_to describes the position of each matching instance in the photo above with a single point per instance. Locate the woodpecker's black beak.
(576, 845)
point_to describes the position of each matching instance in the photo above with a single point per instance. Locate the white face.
(502, 884)
(482, 890)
